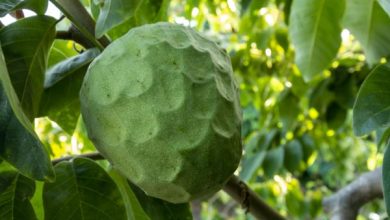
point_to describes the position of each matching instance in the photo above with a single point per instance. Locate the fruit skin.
(161, 104)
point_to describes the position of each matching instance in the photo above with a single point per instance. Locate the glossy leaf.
(315, 28)
(386, 177)
(6, 6)
(372, 106)
(82, 190)
(19, 145)
(60, 99)
(369, 23)
(133, 207)
(15, 194)
(26, 44)
(385, 5)
(158, 209)
(113, 13)
(293, 155)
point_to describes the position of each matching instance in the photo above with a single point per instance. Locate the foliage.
(307, 71)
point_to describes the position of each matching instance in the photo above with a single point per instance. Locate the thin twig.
(93, 156)
(236, 188)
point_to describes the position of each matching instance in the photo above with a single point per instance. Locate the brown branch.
(249, 200)
(345, 204)
(18, 14)
(236, 188)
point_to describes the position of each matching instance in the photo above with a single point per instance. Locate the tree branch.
(74, 34)
(345, 204)
(248, 199)
(236, 188)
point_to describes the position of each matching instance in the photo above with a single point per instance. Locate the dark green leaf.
(19, 145)
(82, 190)
(273, 161)
(15, 194)
(372, 106)
(386, 177)
(308, 146)
(26, 44)
(385, 5)
(293, 155)
(133, 207)
(369, 24)
(158, 209)
(315, 28)
(335, 116)
(60, 100)
(115, 12)
(6, 6)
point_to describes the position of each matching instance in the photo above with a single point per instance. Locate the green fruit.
(161, 105)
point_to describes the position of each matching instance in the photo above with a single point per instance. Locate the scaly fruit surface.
(161, 104)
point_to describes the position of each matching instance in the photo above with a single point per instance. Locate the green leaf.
(369, 24)
(7, 6)
(382, 136)
(61, 50)
(385, 5)
(293, 155)
(133, 207)
(82, 190)
(372, 106)
(15, 194)
(158, 209)
(308, 146)
(273, 161)
(315, 28)
(60, 99)
(148, 11)
(19, 145)
(36, 200)
(256, 151)
(26, 44)
(386, 177)
(288, 109)
(113, 13)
